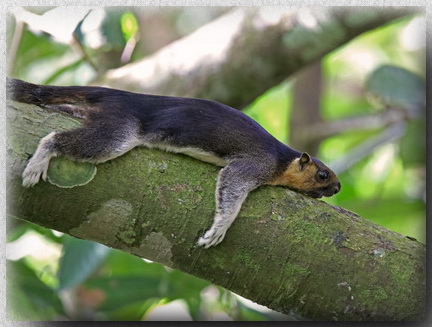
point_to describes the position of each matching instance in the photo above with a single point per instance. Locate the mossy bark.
(289, 252)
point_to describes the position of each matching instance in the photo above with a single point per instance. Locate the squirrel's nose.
(337, 188)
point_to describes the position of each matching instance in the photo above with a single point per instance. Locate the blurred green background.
(52, 276)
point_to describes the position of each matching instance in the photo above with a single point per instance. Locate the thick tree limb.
(224, 59)
(289, 252)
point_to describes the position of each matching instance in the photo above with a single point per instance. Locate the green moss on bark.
(287, 251)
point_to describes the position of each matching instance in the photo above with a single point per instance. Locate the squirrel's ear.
(304, 160)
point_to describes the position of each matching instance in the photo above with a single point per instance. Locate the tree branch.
(289, 252)
(306, 108)
(386, 117)
(224, 59)
(391, 134)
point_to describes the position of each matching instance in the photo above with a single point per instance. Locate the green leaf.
(185, 286)
(194, 307)
(111, 28)
(413, 143)
(119, 263)
(18, 228)
(28, 297)
(125, 290)
(131, 312)
(41, 52)
(70, 67)
(249, 314)
(107, 24)
(132, 285)
(66, 173)
(79, 260)
(129, 25)
(397, 87)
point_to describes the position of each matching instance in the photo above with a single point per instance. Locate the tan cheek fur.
(296, 178)
(302, 180)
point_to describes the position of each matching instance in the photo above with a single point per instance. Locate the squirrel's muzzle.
(328, 191)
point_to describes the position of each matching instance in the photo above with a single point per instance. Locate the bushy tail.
(21, 91)
(77, 101)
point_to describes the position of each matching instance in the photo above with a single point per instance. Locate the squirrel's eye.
(323, 175)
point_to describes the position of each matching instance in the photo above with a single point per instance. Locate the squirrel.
(116, 121)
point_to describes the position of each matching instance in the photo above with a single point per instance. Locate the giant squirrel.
(116, 121)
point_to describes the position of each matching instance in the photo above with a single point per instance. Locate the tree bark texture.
(291, 253)
(306, 108)
(245, 52)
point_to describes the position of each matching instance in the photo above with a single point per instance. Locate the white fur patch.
(38, 164)
(217, 232)
(191, 152)
(227, 209)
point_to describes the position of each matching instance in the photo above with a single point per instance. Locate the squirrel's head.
(310, 176)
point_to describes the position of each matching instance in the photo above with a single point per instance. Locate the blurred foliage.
(129, 25)
(92, 282)
(397, 87)
(56, 277)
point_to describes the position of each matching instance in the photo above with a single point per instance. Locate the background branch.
(306, 109)
(224, 59)
(384, 118)
(391, 134)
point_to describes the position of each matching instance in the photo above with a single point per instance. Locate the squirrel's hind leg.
(96, 142)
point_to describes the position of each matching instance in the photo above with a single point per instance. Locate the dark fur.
(116, 121)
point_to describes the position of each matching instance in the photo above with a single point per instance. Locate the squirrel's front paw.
(212, 237)
(33, 173)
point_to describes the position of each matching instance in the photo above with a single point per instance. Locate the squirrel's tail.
(73, 100)
(21, 91)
